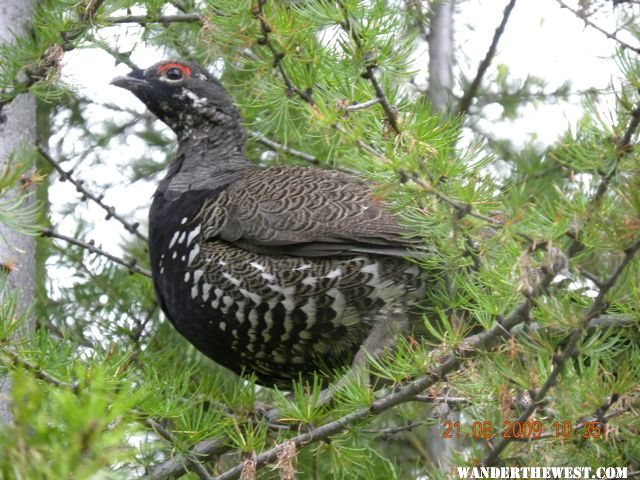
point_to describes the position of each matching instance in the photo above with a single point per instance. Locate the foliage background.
(533, 317)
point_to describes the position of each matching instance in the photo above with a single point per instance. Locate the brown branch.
(450, 401)
(38, 372)
(390, 110)
(622, 148)
(131, 265)
(349, 25)
(463, 209)
(111, 212)
(259, 137)
(623, 144)
(177, 466)
(194, 465)
(278, 55)
(163, 19)
(612, 36)
(472, 91)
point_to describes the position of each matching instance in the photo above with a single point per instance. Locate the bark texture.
(17, 128)
(441, 54)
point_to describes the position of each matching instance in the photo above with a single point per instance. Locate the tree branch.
(163, 19)
(131, 265)
(462, 209)
(597, 306)
(597, 416)
(363, 105)
(259, 137)
(177, 466)
(111, 212)
(611, 36)
(195, 466)
(472, 91)
(623, 147)
(38, 372)
(349, 25)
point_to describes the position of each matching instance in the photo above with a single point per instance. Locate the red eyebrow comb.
(164, 67)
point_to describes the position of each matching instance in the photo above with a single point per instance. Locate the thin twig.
(362, 105)
(259, 137)
(463, 209)
(177, 465)
(589, 276)
(111, 212)
(131, 265)
(135, 335)
(119, 57)
(472, 91)
(278, 55)
(609, 35)
(451, 401)
(195, 466)
(351, 27)
(623, 147)
(17, 360)
(553, 436)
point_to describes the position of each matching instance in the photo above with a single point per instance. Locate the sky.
(541, 39)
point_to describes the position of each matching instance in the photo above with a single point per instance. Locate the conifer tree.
(530, 351)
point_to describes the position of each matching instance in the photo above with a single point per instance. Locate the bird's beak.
(133, 81)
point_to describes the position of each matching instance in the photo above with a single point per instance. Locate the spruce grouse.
(279, 271)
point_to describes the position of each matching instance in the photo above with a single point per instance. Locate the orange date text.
(529, 429)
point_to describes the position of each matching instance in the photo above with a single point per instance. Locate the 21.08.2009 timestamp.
(521, 430)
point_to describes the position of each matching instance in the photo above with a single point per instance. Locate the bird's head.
(182, 95)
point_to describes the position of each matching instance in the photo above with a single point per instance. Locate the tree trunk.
(440, 54)
(17, 128)
(441, 50)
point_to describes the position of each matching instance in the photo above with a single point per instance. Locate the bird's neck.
(206, 158)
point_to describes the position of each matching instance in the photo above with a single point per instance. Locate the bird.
(283, 272)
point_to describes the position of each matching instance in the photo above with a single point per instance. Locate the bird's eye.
(173, 72)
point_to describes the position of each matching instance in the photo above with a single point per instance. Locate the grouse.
(276, 271)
